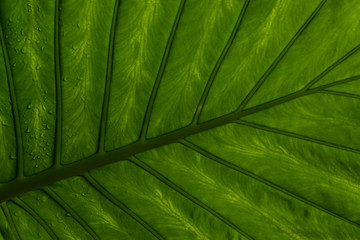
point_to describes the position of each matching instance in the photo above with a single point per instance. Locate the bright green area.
(29, 37)
(179, 119)
(84, 41)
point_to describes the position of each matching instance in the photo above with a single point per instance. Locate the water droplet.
(28, 130)
(39, 29)
(17, 214)
(37, 67)
(36, 166)
(34, 80)
(78, 25)
(68, 215)
(47, 126)
(12, 156)
(14, 65)
(73, 47)
(29, 106)
(22, 32)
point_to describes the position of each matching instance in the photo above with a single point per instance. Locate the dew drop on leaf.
(68, 214)
(29, 106)
(12, 156)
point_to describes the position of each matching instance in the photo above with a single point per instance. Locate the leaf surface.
(179, 119)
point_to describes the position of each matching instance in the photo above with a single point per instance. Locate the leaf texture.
(179, 119)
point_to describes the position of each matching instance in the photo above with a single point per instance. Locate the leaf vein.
(280, 57)
(295, 135)
(164, 60)
(58, 127)
(10, 220)
(272, 185)
(17, 186)
(35, 216)
(120, 205)
(15, 110)
(331, 67)
(105, 107)
(178, 189)
(68, 209)
(218, 63)
(344, 94)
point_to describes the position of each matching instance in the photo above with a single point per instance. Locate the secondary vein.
(68, 209)
(263, 180)
(120, 205)
(15, 110)
(331, 67)
(295, 135)
(105, 107)
(280, 57)
(36, 217)
(10, 220)
(218, 63)
(164, 60)
(178, 189)
(344, 94)
(58, 130)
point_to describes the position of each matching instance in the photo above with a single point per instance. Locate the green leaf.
(179, 119)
